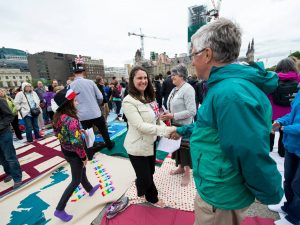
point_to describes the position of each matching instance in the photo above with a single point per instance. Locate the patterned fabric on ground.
(169, 188)
(35, 159)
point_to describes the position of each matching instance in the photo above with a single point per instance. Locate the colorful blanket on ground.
(35, 203)
(169, 188)
(35, 159)
(144, 215)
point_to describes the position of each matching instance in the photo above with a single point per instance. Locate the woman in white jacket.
(25, 100)
(142, 113)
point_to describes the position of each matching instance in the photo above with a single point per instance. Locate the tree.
(271, 68)
(296, 54)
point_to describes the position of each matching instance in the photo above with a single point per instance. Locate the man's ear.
(208, 55)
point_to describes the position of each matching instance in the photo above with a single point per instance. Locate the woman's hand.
(82, 131)
(167, 116)
(174, 135)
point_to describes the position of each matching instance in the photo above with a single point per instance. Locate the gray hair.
(222, 36)
(180, 70)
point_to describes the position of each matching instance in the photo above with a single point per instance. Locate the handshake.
(174, 135)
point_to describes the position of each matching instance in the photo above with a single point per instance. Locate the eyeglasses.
(196, 53)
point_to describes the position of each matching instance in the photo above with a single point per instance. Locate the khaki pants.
(206, 214)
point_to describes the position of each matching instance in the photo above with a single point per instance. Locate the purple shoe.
(94, 189)
(61, 214)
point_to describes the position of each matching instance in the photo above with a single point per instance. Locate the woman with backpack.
(281, 98)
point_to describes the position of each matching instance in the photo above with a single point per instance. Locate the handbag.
(33, 111)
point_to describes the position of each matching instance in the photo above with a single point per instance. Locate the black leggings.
(78, 177)
(144, 167)
(101, 125)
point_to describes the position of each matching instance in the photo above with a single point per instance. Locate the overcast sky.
(100, 28)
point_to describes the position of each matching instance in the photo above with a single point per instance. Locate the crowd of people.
(226, 114)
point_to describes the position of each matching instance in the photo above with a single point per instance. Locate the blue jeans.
(31, 122)
(8, 156)
(292, 187)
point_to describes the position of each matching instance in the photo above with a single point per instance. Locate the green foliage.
(34, 82)
(271, 68)
(296, 54)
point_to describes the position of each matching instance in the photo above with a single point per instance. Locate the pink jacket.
(279, 111)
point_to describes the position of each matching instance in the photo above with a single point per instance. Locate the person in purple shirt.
(48, 96)
(286, 70)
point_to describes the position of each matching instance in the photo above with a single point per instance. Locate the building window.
(14, 77)
(6, 77)
(20, 77)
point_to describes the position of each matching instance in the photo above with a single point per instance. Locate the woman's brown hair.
(149, 95)
(68, 109)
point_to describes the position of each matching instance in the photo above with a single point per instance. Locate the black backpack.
(284, 92)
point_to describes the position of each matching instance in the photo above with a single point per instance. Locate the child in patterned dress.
(67, 129)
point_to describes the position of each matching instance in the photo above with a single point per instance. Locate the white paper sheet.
(89, 137)
(168, 145)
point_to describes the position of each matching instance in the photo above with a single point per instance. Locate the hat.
(78, 64)
(62, 97)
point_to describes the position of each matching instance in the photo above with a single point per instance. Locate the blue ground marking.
(32, 206)
(114, 129)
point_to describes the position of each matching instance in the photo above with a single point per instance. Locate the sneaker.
(7, 179)
(276, 208)
(111, 145)
(61, 214)
(117, 207)
(17, 185)
(282, 221)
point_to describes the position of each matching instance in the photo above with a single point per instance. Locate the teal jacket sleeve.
(186, 131)
(244, 137)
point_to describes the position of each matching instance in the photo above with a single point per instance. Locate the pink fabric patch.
(144, 215)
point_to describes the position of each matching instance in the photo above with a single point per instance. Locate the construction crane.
(215, 12)
(142, 36)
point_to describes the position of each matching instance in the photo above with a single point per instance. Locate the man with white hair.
(229, 142)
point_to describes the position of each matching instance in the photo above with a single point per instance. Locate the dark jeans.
(8, 156)
(144, 167)
(159, 101)
(292, 187)
(78, 177)
(281, 149)
(15, 125)
(31, 122)
(118, 105)
(101, 125)
(50, 115)
(45, 115)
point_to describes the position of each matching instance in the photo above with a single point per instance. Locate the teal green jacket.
(229, 142)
